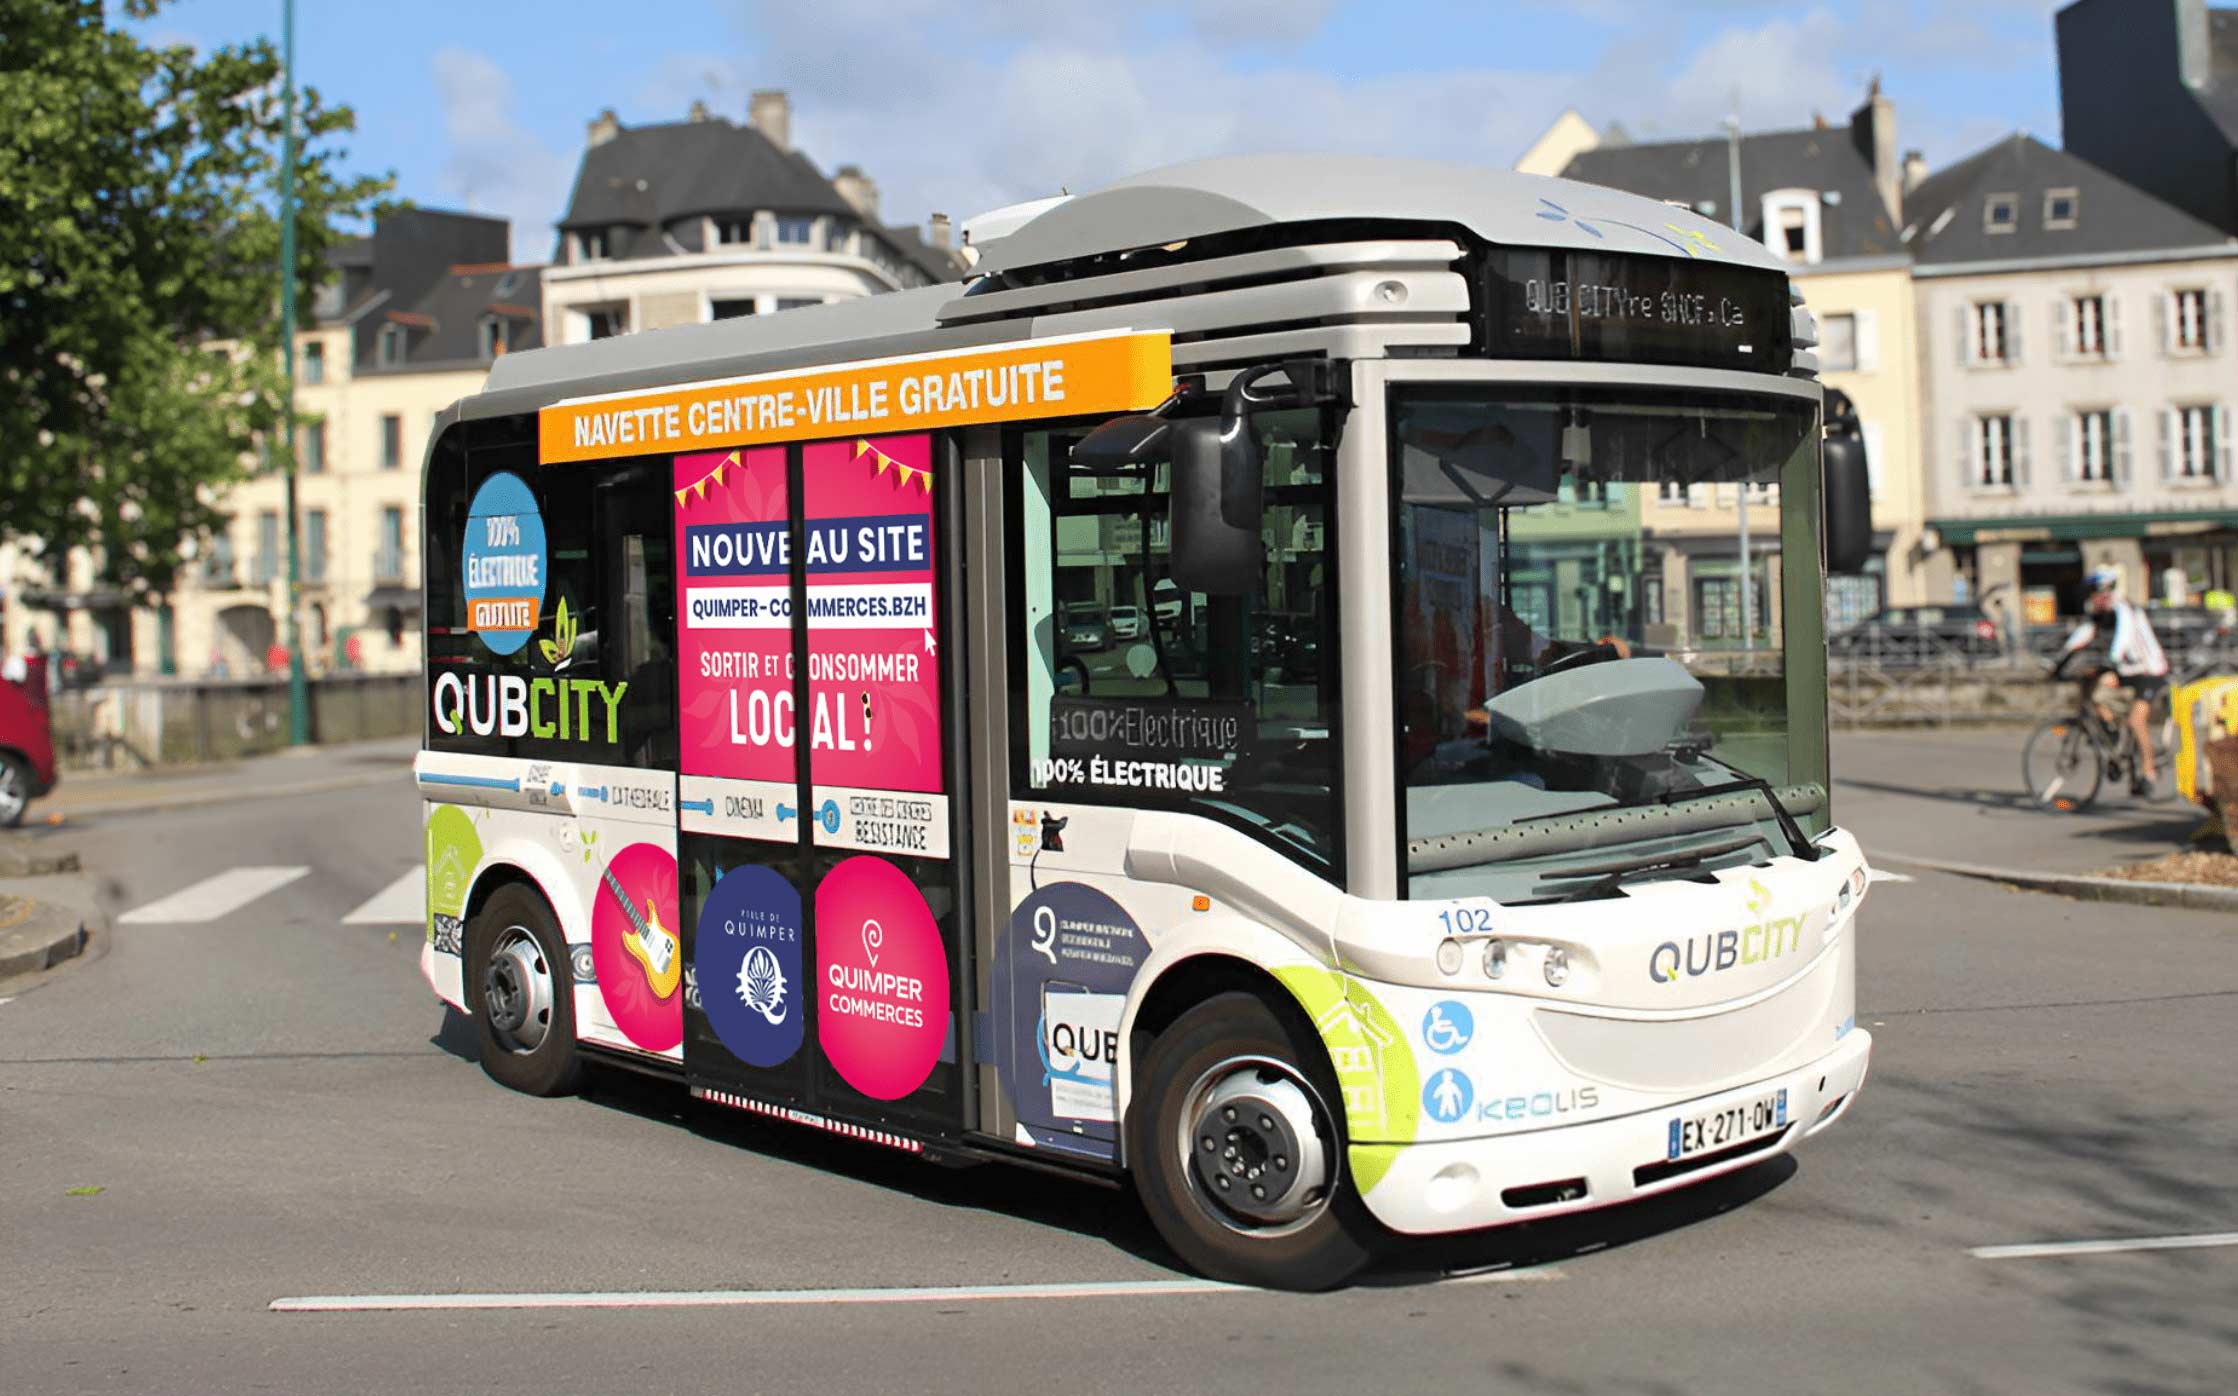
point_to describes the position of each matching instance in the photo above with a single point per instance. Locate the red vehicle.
(26, 746)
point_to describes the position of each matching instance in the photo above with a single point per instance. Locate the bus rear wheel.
(520, 991)
(1237, 1156)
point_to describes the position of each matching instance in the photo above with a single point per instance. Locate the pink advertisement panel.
(873, 666)
(734, 615)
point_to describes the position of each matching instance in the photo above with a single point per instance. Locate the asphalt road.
(272, 1105)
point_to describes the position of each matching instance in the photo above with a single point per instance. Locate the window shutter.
(2214, 320)
(1868, 341)
(2164, 321)
(2070, 444)
(1967, 327)
(2167, 443)
(2110, 327)
(2222, 443)
(2121, 445)
(2067, 334)
(1969, 452)
(2020, 452)
(2012, 332)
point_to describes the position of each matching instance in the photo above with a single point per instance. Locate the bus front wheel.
(1237, 1156)
(520, 991)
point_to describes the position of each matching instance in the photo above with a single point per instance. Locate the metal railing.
(160, 722)
(1924, 679)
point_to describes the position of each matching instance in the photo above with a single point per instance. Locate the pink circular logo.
(883, 978)
(636, 949)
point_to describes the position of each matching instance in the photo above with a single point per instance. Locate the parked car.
(26, 752)
(1084, 629)
(1127, 623)
(1918, 635)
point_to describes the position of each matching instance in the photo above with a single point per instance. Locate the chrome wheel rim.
(15, 795)
(1256, 1146)
(517, 991)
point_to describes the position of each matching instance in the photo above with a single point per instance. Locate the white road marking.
(2050, 1250)
(1879, 876)
(401, 903)
(213, 897)
(9, 999)
(768, 1298)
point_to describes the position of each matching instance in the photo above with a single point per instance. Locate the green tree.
(139, 277)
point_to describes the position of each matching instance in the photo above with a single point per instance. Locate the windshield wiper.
(1804, 849)
(1607, 877)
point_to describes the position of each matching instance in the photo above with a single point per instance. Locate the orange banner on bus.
(1124, 371)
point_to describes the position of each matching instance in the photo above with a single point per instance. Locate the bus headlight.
(1449, 956)
(1557, 967)
(1495, 958)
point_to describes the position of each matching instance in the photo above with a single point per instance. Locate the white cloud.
(495, 166)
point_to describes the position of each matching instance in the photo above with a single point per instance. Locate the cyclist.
(2134, 660)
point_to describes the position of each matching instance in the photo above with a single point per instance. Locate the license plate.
(1727, 1125)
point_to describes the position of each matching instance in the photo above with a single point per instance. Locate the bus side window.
(638, 584)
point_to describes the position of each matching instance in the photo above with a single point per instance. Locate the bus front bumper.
(1467, 1184)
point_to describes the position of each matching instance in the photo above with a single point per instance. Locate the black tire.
(2062, 766)
(15, 789)
(1322, 1249)
(528, 1043)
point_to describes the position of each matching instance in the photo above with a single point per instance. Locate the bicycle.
(2066, 760)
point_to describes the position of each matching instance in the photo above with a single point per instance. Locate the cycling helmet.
(2105, 579)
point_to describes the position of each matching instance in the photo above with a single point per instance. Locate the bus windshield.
(1594, 612)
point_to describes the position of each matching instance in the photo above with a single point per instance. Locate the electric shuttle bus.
(1446, 843)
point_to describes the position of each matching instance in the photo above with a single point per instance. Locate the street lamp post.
(1748, 576)
(299, 698)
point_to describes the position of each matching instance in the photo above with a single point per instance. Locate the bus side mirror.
(1849, 503)
(1216, 506)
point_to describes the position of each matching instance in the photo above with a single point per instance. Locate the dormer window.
(1792, 225)
(388, 346)
(2001, 214)
(495, 336)
(2060, 207)
(590, 245)
(734, 232)
(794, 231)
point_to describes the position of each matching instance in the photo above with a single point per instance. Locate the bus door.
(820, 860)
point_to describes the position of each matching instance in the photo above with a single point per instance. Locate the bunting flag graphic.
(697, 489)
(909, 474)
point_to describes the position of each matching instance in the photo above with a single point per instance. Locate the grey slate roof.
(647, 176)
(444, 325)
(2220, 97)
(2112, 217)
(1696, 172)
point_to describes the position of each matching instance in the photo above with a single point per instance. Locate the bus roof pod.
(1233, 193)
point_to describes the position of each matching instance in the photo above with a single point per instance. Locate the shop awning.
(2071, 528)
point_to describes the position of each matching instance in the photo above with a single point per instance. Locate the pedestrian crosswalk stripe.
(213, 897)
(401, 903)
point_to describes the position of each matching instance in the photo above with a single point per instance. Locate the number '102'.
(1466, 920)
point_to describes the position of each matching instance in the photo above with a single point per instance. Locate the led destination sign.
(1544, 304)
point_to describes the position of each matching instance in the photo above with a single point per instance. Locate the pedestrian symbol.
(1448, 1096)
(1448, 1027)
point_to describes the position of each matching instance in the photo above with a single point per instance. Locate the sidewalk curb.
(49, 936)
(2185, 895)
(218, 796)
(14, 863)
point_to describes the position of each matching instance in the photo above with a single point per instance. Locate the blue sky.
(958, 107)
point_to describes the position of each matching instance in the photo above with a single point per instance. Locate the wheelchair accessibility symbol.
(1448, 1027)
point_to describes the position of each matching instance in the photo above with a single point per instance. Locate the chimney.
(699, 110)
(939, 233)
(2195, 53)
(858, 189)
(605, 127)
(1872, 129)
(770, 112)
(1915, 170)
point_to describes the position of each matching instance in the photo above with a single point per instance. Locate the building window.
(797, 302)
(313, 448)
(1992, 333)
(392, 441)
(2001, 214)
(2195, 444)
(794, 231)
(2060, 206)
(496, 336)
(314, 362)
(605, 321)
(267, 546)
(1995, 451)
(314, 546)
(734, 232)
(388, 559)
(388, 346)
(590, 245)
(1791, 224)
(2187, 320)
(2092, 448)
(730, 310)
(2086, 328)
(1837, 343)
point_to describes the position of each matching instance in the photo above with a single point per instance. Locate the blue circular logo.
(1447, 1095)
(504, 562)
(746, 956)
(1448, 1027)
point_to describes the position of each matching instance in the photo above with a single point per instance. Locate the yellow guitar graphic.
(648, 942)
